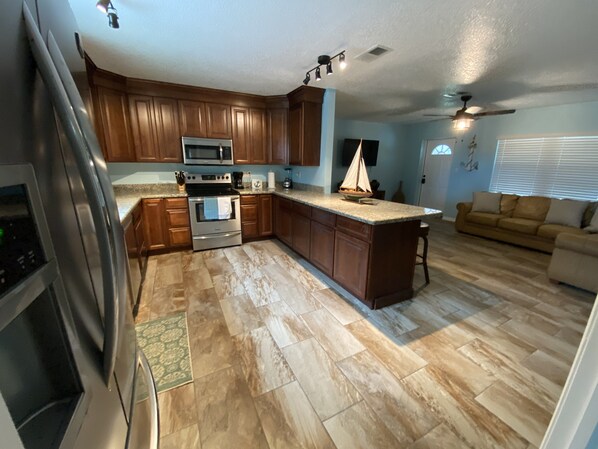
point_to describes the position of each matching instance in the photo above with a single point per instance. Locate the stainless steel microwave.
(198, 151)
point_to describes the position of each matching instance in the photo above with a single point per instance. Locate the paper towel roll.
(271, 180)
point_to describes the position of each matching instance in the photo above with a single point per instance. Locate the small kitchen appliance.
(288, 181)
(237, 179)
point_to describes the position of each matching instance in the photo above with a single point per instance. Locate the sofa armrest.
(462, 210)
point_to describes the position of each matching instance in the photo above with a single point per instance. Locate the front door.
(435, 177)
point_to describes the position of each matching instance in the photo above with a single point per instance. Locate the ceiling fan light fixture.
(462, 123)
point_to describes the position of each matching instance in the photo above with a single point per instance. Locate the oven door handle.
(200, 201)
(216, 236)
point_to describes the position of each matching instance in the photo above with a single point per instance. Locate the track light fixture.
(107, 8)
(327, 61)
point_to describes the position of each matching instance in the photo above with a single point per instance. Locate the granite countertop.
(379, 212)
(129, 195)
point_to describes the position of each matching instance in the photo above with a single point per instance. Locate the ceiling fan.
(464, 117)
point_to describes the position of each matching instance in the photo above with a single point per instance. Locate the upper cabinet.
(305, 125)
(218, 121)
(277, 117)
(241, 141)
(193, 118)
(114, 125)
(249, 135)
(168, 138)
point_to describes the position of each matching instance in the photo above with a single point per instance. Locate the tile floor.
(280, 360)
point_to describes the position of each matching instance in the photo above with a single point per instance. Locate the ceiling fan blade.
(437, 115)
(486, 114)
(473, 109)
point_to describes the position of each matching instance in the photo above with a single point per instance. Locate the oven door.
(207, 151)
(201, 226)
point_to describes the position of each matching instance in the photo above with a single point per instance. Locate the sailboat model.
(356, 184)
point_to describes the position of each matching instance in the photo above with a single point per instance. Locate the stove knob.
(193, 177)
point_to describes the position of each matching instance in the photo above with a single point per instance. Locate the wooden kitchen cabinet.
(351, 260)
(114, 125)
(141, 110)
(218, 123)
(301, 229)
(256, 216)
(168, 137)
(154, 224)
(178, 226)
(249, 131)
(284, 220)
(278, 135)
(192, 118)
(305, 125)
(322, 243)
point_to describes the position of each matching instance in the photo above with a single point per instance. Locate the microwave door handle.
(100, 212)
(221, 154)
(90, 155)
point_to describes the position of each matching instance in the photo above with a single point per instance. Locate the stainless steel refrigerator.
(71, 374)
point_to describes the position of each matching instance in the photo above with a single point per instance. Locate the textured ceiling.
(507, 53)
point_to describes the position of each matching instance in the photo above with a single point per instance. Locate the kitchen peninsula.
(369, 249)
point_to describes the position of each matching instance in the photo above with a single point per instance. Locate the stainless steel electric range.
(214, 211)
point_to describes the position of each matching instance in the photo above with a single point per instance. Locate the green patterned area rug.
(165, 342)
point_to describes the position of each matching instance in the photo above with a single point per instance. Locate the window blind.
(559, 167)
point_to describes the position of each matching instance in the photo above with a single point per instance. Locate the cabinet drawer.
(249, 229)
(355, 228)
(248, 199)
(248, 213)
(179, 236)
(302, 209)
(176, 203)
(178, 218)
(321, 216)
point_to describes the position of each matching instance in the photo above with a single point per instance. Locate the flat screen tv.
(368, 147)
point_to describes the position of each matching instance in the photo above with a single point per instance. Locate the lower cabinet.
(351, 259)
(166, 223)
(284, 220)
(301, 232)
(256, 216)
(321, 252)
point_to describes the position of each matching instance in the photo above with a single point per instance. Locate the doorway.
(438, 158)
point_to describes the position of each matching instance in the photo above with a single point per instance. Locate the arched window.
(442, 150)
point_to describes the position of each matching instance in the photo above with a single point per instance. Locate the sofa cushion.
(566, 212)
(593, 227)
(486, 202)
(508, 203)
(589, 213)
(532, 207)
(585, 244)
(523, 225)
(550, 231)
(484, 218)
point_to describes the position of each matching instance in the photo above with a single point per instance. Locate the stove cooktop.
(199, 185)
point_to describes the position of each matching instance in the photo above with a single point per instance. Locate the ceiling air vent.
(373, 53)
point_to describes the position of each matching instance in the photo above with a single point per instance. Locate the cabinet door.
(265, 215)
(351, 257)
(284, 221)
(114, 112)
(141, 108)
(301, 234)
(141, 245)
(322, 247)
(218, 121)
(179, 237)
(278, 136)
(168, 137)
(259, 154)
(311, 134)
(153, 217)
(295, 134)
(241, 141)
(192, 117)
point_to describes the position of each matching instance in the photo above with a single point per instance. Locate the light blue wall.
(574, 119)
(391, 151)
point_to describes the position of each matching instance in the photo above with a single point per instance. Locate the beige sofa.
(520, 221)
(575, 261)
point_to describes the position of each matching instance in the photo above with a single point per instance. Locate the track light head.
(342, 62)
(318, 77)
(329, 68)
(102, 5)
(112, 17)
(307, 78)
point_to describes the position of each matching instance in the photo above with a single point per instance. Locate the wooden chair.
(424, 230)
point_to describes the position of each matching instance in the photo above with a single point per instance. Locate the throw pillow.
(566, 212)
(486, 202)
(593, 224)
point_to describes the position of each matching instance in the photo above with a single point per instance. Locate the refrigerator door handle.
(153, 398)
(109, 232)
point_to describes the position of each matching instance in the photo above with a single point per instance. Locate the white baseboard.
(451, 219)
